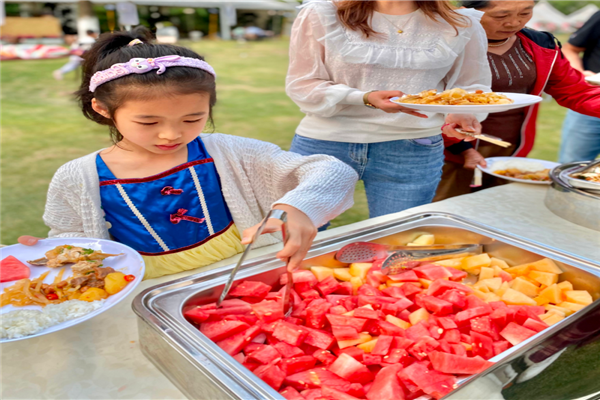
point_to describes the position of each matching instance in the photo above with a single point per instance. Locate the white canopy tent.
(546, 17)
(577, 18)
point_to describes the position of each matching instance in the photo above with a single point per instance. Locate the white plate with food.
(58, 283)
(520, 169)
(585, 176)
(461, 101)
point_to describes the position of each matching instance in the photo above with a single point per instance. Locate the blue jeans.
(398, 175)
(580, 138)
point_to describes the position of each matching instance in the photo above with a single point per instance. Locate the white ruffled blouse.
(332, 67)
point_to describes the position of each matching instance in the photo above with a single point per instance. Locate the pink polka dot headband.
(144, 65)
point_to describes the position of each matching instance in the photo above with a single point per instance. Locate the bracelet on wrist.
(366, 99)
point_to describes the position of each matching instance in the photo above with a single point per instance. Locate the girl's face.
(161, 125)
(502, 19)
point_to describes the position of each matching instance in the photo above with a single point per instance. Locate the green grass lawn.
(42, 127)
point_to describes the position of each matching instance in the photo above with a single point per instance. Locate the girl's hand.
(300, 235)
(466, 122)
(473, 158)
(381, 100)
(28, 240)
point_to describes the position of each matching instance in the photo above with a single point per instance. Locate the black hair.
(478, 5)
(112, 48)
(90, 32)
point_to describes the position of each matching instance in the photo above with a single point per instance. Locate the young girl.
(178, 197)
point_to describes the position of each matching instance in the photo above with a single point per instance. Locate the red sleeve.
(568, 86)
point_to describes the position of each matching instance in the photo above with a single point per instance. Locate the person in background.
(581, 133)
(80, 46)
(522, 60)
(349, 58)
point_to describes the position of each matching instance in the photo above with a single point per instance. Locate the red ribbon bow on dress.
(177, 217)
(167, 190)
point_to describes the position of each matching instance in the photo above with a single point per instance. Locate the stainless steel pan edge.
(166, 320)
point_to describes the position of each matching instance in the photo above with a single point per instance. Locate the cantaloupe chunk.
(486, 273)
(482, 295)
(557, 312)
(502, 289)
(322, 272)
(565, 311)
(476, 262)
(397, 321)
(423, 240)
(546, 265)
(565, 285)
(579, 297)
(489, 297)
(516, 298)
(356, 283)
(452, 263)
(467, 346)
(368, 347)
(383, 286)
(493, 284)
(360, 270)
(519, 270)
(552, 293)
(541, 300)
(482, 287)
(545, 278)
(552, 318)
(571, 306)
(363, 338)
(342, 274)
(525, 287)
(420, 315)
(425, 283)
(496, 262)
(532, 281)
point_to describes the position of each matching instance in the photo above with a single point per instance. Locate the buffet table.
(101, 358)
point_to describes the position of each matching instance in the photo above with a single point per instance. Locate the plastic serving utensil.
(277, 214)
(368, 252)
(486, 138)
(400, 261)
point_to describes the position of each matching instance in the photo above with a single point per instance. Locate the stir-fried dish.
(541, 176)
(66, 254)
(590, 175)
(455, 97)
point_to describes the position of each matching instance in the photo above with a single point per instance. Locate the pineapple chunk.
(552, 293)
(478, 261)
(425, 282)
(321, 272)
(489, 297)
(571, 306)
(519, 270)
(513, 297)
(486, 273)
(368, 347)
(565, 285)
(420, 315)
(525, 287)
(546, 265)
(493, 284)
(452, 263)
(397, 321)
(356, 283)
(496, 262)
(552, 318)
(541, 300)
(360, 270)
(502, 289)
(482, 287)
(579, 297)
(423, 240)
(342, 274)
(545, 278)
(363, 338)
(565, 311)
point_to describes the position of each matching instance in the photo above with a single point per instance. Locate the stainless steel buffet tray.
(201, 370)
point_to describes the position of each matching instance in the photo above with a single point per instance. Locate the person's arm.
(572, 53)
(586, 37)
(60, 214)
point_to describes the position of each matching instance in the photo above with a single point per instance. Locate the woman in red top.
(522, 60)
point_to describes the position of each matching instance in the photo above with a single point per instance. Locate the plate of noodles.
(520, 169)
(460, 101)
(61, 282)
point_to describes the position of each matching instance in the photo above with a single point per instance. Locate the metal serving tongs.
(282, 216)
(400, 261)
(367, 252)
(486, 138)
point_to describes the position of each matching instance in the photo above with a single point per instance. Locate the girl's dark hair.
(478, 5)
(112, 48)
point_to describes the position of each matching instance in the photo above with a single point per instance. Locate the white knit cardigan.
(254, 175)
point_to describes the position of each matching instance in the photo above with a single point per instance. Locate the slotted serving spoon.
(282, 216)
(365, 252)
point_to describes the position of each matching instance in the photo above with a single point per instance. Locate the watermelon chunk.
(12, 269)
(408, 289)
(535, 325)
(366, 313)
(453, 364)
(268, 311)
(500, 347)
(368, 290)
(482, 345)
(446, 323)
(457, 298)
(408, 276)
(219, 330)
(329, 392)
(344, 332)
(302, 276)
(297, 364)
(452, 336)
(352, 351)
(235, 343)
(314, 378)
(387, 328)
(516, 334)
(341, 320)
(196, 315)
(432, 272)
(318, 338)
(328, 285)
(386, 385)
(251, 288)
(437, 306)
(471, 313)
(315, 315)
(433, 383)
(291, 394)
(481, 325)
(440, 286)
(423, 346)
(370, 359)
(500, 317)
(382, 346)
(289, 333)
(324, 356)
(271, 374)
(350, 369)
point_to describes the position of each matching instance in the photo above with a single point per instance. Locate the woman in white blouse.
(348, 58)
